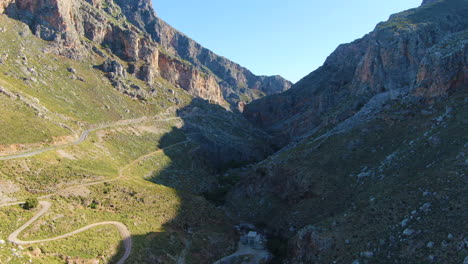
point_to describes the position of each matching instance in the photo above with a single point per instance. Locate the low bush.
(31, 203)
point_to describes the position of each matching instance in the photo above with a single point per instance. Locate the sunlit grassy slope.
(43, 102)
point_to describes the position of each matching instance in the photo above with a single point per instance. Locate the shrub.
(31, 203)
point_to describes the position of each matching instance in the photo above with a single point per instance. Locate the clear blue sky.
(286, 37)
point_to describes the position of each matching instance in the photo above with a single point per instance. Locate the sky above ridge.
(286, 37)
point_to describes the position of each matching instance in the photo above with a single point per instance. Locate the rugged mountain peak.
(235, 78)
(420, 51)
(148, 47)
(372, 130)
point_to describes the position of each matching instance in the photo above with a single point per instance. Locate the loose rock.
(426, 207)
(408, 232)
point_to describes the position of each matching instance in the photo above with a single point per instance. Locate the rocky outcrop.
(398, 55)
(353, 186)
(367, 194)
(242, 144)
(444, 68)
(192, 79)
(233, 76)
(55, 23)
(4, 4)
(184, 62)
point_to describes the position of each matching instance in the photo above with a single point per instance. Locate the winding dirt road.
(84, 135)
(119, 177)
(123, 230)
(45, 206)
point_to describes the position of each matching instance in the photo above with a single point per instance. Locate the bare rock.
(115, 67)
(138, 40)
(72, 70)
(6, 92)
(233, 76)
(426, 207)
(432, 67)
(408, 232)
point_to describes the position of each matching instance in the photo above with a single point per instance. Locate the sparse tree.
(31, 203)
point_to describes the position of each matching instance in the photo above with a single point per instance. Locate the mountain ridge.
(181, 61)
(90, 124)
(109, 113)
(369, 68)
(176, 42)
(371, 166)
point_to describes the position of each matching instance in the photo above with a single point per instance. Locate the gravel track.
(45, 206)
(84, 135)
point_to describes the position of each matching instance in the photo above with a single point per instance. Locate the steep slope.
(105, 97)
(376, 172)
(389, 186)
(397, 57)
(101, 144)
(235, 79)
(119, 26)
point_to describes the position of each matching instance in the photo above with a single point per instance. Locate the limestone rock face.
(444, 67)
(405, 53)
(115, 67)
(4, 4)
(234, 77)
(50, 23)
(190, 78)
(184, 63)
(356, 169)
(96, 3)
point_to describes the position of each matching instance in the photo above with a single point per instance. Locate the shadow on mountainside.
(391, 184)
(199, 233)
(210, 141)
(215, 141)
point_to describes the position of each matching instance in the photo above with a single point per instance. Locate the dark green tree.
(31, 203)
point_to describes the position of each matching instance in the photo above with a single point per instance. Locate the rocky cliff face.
(147, 46)
(399, 55)
(377, 173)
(234, 77)
(374, 173)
